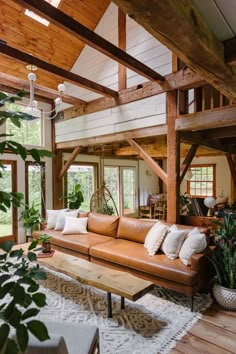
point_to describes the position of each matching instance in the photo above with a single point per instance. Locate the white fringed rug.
(150, 325)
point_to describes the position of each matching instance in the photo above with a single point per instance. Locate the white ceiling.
(220, 15)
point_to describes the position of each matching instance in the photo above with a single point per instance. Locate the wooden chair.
(160, 210)
(145, 211)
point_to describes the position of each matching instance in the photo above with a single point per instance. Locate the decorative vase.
(47, 247)
(225, 297)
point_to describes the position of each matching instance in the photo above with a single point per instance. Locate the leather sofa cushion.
(134, 229)
(103, 224)
(78, 242)
(134, 255)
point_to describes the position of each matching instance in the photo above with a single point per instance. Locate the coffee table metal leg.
(122, 302)
(109, 305)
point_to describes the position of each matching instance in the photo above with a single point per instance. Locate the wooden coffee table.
(112, 281)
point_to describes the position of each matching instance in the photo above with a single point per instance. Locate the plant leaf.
(22, 337)
(11, 347)
(39, 299)
(32, 256)
(4, 332)
(30, 313)
(38, 329)
(33, 245)
(7, 246)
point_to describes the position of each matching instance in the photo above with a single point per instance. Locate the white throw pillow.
(154, 238)
(60, 222)
(75, 225)
(194, 243)
(52, 217)
(194, 231)
(173, 242)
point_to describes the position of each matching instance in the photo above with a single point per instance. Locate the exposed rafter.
(40, 91)
(179, 25)
(187, 161)
(68, 162)
(67, 75)
(89, 37)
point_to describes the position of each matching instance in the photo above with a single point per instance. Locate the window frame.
(213, 182)
(43, 184)
(78, 163)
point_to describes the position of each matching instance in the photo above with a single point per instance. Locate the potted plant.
(223, 259)
(21, 299)
(45, 239)
(31, 219)
(75, 198)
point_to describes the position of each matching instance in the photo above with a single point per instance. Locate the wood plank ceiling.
(49, 43)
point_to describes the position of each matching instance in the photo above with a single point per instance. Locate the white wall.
(223, 176)
(99, 68)
(147, 112)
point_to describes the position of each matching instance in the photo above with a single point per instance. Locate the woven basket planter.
(225, 297)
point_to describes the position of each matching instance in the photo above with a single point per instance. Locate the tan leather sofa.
(118, 242)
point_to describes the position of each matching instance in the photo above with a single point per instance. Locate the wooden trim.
(183, 79)
(215, 119)
(67, 75)
(69, 162)
(149, 161)
(122, 45)
(173, 160)
(69, 25)
(187, 161)
(232, 167)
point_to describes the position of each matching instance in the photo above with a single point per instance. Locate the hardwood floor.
(214, 333)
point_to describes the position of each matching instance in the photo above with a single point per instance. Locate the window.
(38, 18)
(86, 176)
(8, 183)
(30, 132)
(35, 185)
(121, 183)
(202, 182)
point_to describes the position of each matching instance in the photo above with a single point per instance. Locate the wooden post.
(57, 164)
(173, 159)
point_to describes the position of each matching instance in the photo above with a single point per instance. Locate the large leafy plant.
(223, 256)
(31, 217)
(74, 198)
(20, 299)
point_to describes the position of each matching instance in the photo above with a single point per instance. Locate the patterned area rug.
(151, 325)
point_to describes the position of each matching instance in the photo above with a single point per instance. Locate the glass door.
(8, 220)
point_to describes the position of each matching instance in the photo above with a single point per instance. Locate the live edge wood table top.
(110, 280)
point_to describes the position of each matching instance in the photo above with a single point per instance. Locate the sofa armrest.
(199, 258)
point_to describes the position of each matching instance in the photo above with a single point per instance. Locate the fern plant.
(223, 257)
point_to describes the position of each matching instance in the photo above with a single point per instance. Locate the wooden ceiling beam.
(68, 162)
(232, 167)
(13, 84)
(206, 120)
(67, 75)
(149, 161)
(217, 133)
(230, 51)
(183, 79)
(197, 138)
(187, 161)
(68, 24)
(179, 26)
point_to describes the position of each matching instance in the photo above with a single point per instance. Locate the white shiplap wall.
(148, 112)
(99, 68)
